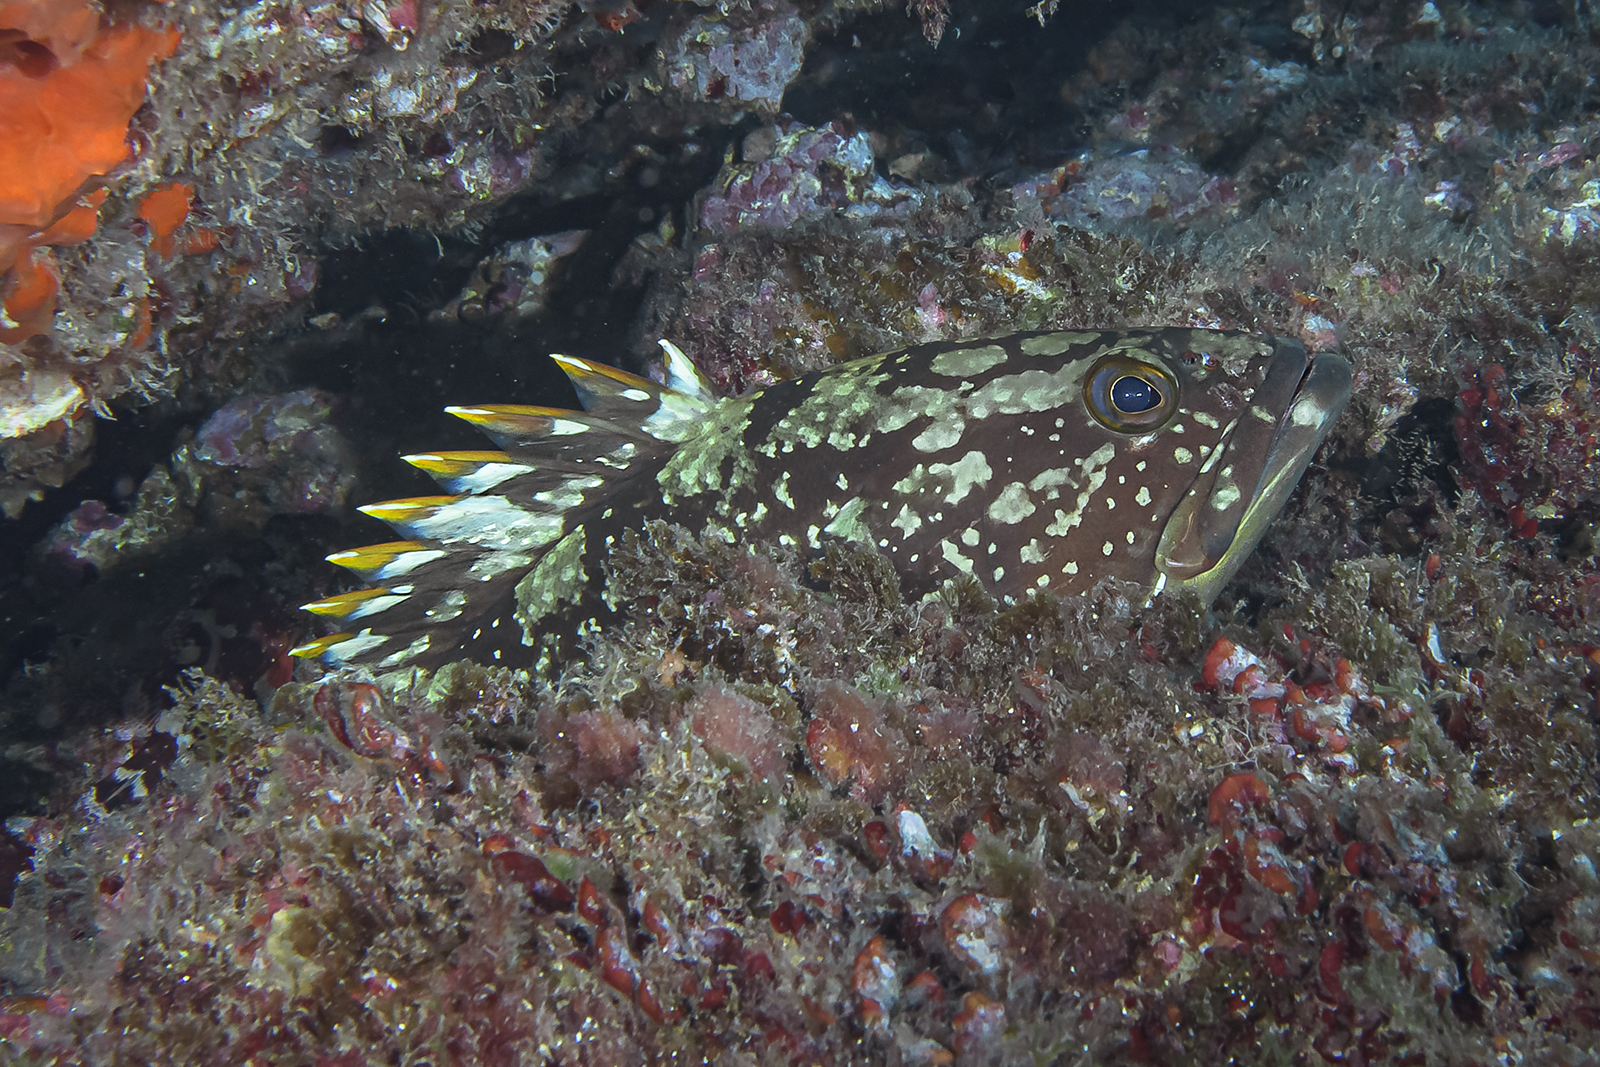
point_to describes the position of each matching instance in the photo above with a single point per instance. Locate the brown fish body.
(1037, 461)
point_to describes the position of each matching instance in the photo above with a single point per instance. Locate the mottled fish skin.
(1007, 460)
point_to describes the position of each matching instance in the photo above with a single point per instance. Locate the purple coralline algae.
(95, 536)
(249, 431)
(512, 280)
(1142, 183)
(253, 458)
(792, 172)
(281, 448)
(741, 60)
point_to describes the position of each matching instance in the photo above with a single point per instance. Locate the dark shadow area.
(1420, 452)
(997, 95)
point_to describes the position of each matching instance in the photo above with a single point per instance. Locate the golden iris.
(1130, 395)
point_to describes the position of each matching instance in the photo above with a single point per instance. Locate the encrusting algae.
(1036, 461)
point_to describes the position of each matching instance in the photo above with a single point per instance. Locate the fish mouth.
(1247, 480)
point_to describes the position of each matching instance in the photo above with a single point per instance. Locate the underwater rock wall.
(145, 235)
(1344, 815)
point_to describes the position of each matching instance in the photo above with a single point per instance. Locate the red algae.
(852, 741)
(1155, 855)
(590, 747)
(739, 730)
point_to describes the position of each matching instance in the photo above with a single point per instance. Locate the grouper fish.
(1040, 461)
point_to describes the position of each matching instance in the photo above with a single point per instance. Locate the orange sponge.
(28, 275)
(41, 33)
(60, 129)
(77, 225)
(31, 299)
(68, 88)
(163, 211)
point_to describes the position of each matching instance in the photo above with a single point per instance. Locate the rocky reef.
(785, 813)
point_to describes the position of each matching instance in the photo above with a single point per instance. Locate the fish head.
(1190, 443)
(1285, 417)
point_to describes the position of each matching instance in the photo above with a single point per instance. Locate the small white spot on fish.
(1308, 413)
(954, 557)
(566, 428)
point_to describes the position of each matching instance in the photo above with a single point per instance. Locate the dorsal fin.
(536, 433)
(683, 376)
(609, 393)
(669, 412)
(541, 487)
(507, 513)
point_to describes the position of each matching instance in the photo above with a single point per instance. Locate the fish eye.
(1130, 395)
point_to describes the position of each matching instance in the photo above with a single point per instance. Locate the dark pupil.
(1132, 395)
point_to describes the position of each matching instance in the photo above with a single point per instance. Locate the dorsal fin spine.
(683, 376)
